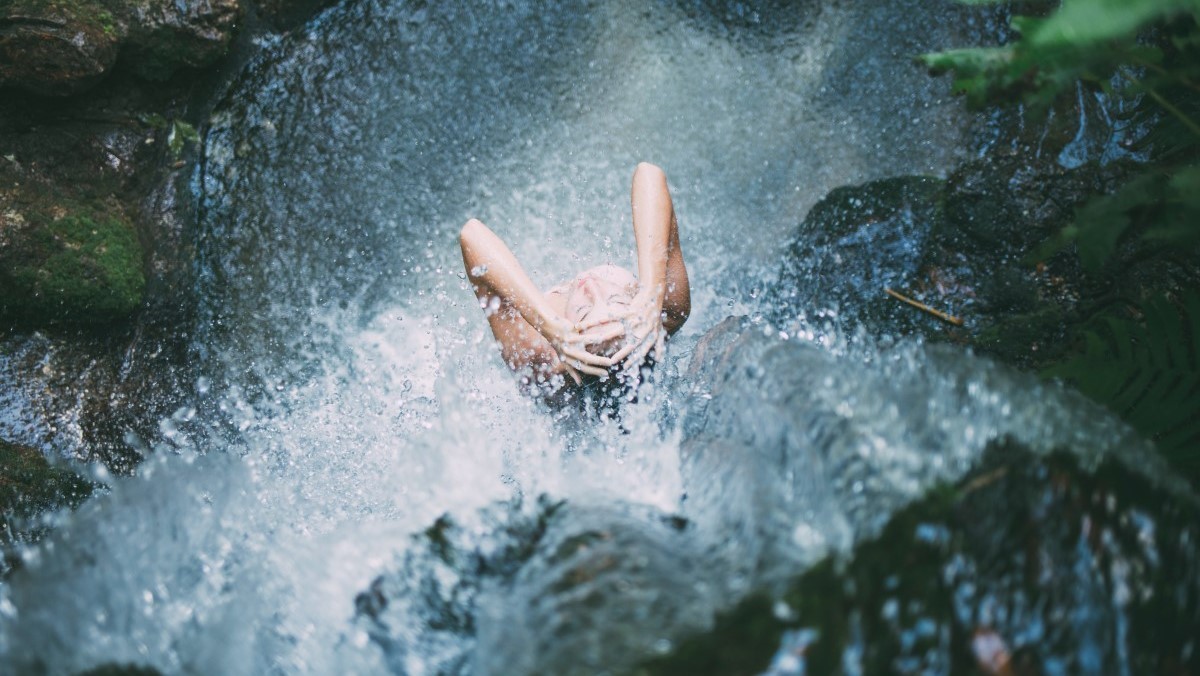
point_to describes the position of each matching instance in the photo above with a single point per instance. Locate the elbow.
(467, 233)
(649, 171)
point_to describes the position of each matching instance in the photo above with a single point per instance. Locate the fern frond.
(1148, 372)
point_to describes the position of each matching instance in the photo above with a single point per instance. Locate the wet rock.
(60, 47)
(960, 247)
(425, 609)
(90, 368)
(607, 585)
(287, 14)
(568, 589)
(30, 486)
(166, 36)
(56, 47)
(65, 262)
(856, 242)
(1028, 565)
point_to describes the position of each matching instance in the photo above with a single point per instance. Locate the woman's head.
(600, 294)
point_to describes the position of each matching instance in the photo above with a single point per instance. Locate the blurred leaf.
(1083, 22)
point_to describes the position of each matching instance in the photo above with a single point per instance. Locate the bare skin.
(604, 317)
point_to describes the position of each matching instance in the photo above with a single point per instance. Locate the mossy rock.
(56, 47)
(29, 485)
(955, 582)
(68, 264)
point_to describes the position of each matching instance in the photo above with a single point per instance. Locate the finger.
(591, 370)
(639, 355)
(660, 346)
(607, 332)
(573, 373)
(602, 318)
(585, 357)
(624, 352)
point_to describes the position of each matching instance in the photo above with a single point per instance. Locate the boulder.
(61, 47)
(56, 47)
(29, 486)
(65, 262)
(857, 241)
(980, 577)
(166, 36)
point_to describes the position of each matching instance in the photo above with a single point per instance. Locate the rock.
(64, 262)
(165, 36)
(961, 247)
(29, 486)
(980, 578)
(56, 47)
(565, 589)
(857, 241)
(60, 47)
(287, 14)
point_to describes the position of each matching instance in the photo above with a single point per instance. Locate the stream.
(358, 486)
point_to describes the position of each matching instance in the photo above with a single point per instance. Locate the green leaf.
(180, 135)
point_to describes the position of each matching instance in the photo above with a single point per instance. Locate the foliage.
(179, 133)
(1166, 203)
(1149, 372)
(1145, 50)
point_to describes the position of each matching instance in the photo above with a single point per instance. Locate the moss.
(29, 485)
(83, 267)
(92, 13)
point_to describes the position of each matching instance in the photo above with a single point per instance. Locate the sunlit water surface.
(352, 394)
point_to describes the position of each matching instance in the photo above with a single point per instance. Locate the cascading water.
(354, 412)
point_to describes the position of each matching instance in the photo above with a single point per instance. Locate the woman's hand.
(571, 342)
(643, 327)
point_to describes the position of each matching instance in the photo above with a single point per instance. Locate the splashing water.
(353, 396)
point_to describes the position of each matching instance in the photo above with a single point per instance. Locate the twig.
(921, 306)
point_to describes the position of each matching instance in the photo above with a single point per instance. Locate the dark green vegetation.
(30, 486)
(1138, 352)
(984, 573)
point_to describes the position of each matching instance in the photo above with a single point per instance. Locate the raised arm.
(662, 276)
(663, 299)
(529, 330)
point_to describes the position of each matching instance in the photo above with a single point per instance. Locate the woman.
(603, 322)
